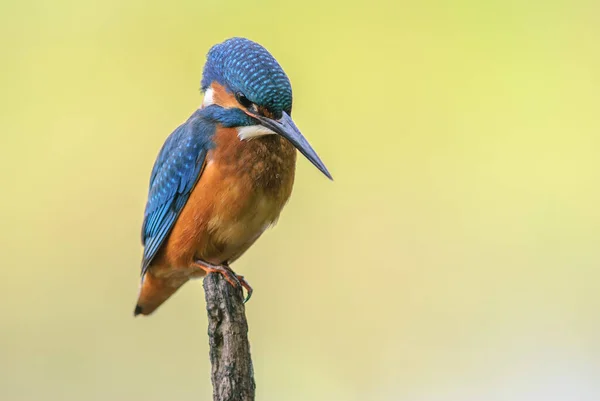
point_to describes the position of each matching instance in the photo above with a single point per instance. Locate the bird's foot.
(232, 278)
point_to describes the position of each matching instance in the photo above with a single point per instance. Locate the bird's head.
(244, 79)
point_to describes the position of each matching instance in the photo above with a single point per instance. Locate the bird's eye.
(244, 101)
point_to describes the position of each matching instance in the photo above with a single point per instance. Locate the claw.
(247, 286)
(229, 275)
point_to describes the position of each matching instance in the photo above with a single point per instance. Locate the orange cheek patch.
(222, 97)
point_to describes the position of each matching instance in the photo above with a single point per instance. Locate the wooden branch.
(232, 372)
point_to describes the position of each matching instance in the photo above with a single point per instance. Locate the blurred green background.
(455, 257)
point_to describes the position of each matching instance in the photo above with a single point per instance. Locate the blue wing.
(175, 173)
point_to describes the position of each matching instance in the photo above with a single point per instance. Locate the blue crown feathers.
(241, 65)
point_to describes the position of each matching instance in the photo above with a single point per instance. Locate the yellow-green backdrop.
(455, 257)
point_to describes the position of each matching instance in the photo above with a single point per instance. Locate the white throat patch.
(253, 131)
(208, 98)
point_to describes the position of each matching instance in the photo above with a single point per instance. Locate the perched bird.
(223, 176)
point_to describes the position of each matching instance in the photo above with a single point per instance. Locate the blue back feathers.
(173, 177)
(241, 65)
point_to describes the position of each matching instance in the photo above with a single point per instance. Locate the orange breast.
(242, 190)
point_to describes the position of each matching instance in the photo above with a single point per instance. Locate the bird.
(223, 176)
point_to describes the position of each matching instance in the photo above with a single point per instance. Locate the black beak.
(286, 128)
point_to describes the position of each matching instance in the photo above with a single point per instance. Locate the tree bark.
(232, 373)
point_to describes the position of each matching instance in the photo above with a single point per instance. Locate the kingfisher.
(223, 176)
